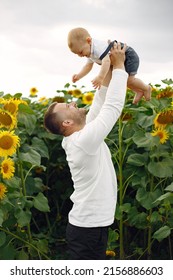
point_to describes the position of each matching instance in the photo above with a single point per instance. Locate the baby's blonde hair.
(77, 35)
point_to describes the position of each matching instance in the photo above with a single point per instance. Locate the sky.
(33, 40)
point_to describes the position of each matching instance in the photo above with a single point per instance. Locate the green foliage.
(33, 212)
(144, 167)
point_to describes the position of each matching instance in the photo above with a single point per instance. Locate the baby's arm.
(97, 81)
(83, 72)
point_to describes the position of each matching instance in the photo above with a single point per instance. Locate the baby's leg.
(132, 85)
(140, 88)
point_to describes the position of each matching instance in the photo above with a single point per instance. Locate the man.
(95, 187)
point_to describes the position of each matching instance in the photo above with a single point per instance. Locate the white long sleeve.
(97, 103)
(95, 185)
(95, 131)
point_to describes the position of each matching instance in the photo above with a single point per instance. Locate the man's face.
(71, 111)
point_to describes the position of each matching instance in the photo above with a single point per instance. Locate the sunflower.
(87, 98)
(3, 190)
(167, 92)
(7, 168)
(126, 116)
(43, 98)
(162, 134)
(164, 118)
(77, 93)
(39, 170)
(8, 143)
(110, 253)
(59, 99)
(11, 105)
(33, 92)
(7, 119)
(44, 101)
(70, 92)
(155, 90)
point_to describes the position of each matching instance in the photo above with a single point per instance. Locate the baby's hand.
(75, 78)
(97, 82)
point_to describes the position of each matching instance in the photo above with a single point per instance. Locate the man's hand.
(117, 56)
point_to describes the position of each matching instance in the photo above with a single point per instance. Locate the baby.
(81, 43)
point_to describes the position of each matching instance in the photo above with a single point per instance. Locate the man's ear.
(67, 123)
(89, 39)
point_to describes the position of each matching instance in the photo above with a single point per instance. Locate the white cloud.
(34, 52)
(100, 4)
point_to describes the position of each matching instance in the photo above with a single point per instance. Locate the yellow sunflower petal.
(7, 120)
(110, 253)
(77, 93)
(167, 92)
(7, 168)
(164, 118)
(33, 91)
(87, 98)
(8, 143)
(3, 190)
(11, 105)
(162, 134)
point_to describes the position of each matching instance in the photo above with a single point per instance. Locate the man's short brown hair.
(51, 120)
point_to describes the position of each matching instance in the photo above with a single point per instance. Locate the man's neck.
(70, 131)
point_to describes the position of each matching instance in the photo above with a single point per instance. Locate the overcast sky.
(33, 39)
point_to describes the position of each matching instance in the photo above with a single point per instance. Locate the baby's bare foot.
(137, 97)
(147, 93)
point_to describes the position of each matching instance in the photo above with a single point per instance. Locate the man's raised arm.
(96, 131)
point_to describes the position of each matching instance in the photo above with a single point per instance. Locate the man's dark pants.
(86, 243)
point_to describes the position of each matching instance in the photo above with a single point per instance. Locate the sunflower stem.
(150, 228)
(121, 187)
(25, 242)
(21, 175)
(23, 187)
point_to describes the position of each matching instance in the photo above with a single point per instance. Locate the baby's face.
(83, 49)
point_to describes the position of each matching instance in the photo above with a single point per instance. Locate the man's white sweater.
(95, 184)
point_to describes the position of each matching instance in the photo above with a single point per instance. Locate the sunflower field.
(35, 182)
